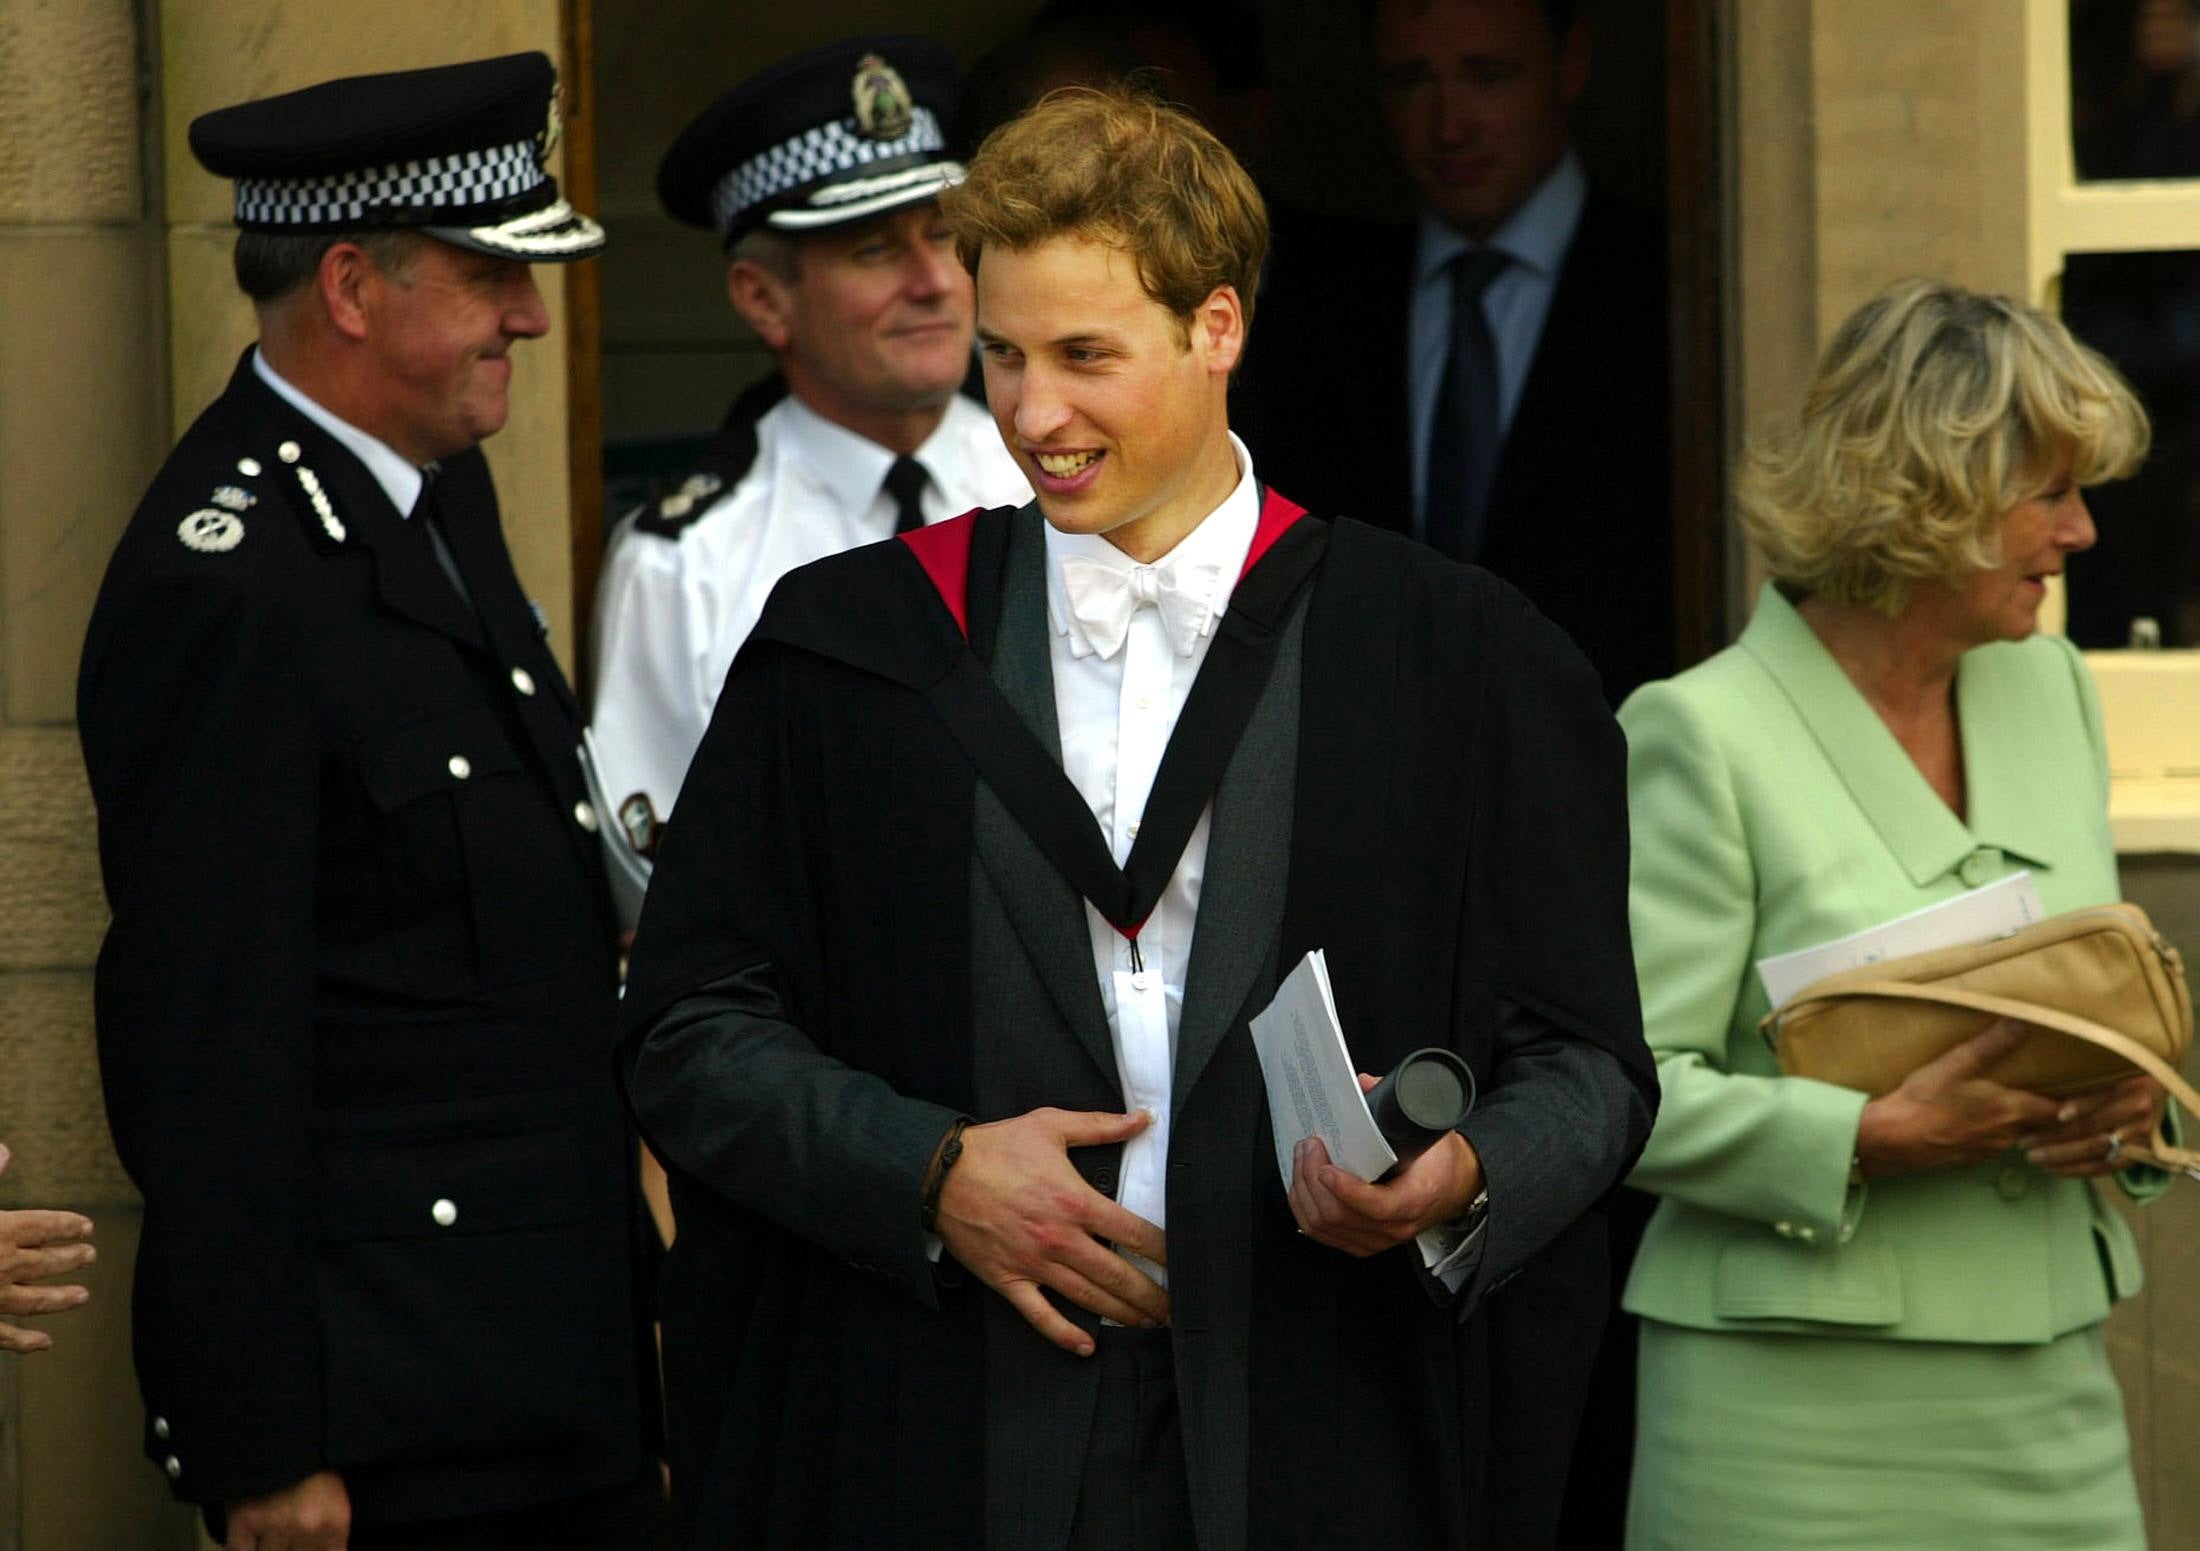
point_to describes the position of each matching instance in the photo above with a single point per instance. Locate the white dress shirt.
(1536, 237)
(395, 473)
(673, 609)
(1116, 709)
(1116, 713)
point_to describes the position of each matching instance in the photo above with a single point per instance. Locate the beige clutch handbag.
(2103, 991)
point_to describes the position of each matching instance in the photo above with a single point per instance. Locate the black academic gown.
(801, 1018)
(357, 1005)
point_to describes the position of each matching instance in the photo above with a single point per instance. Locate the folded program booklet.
(1313, 1089)
(2001, 907)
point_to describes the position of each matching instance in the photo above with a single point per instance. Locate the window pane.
(2135, 88)
(2142, 311)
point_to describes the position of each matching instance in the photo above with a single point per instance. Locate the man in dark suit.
(1493, 379)
(1001, 833)
(355, 1009)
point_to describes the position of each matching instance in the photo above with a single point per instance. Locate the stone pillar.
(82, 424)
(118, 322)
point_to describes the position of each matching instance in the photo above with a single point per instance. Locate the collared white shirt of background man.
(1536, 237)
(1116, 712)
(397, 476)
(672, 612)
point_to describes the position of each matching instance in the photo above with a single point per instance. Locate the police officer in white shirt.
(821, 176)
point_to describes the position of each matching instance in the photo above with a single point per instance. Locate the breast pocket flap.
(444, 754)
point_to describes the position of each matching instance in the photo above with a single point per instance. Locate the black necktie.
(430, 521)
(1462, 435)
(905, 482)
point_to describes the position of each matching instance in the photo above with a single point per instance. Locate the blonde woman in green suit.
(1875, 1324)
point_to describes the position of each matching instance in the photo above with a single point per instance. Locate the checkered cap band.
(812, 156)
(433, 185)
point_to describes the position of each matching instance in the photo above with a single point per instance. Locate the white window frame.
(2150, 699)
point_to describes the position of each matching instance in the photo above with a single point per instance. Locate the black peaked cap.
(455, 151)
(779, 105)
(369, 120)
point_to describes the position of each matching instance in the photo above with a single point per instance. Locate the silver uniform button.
(290, 452)
(248, 466)
(173, 1466)
(445, 1212)
(523, 681)
(160, 1428)
(585, 816)
(461, 767)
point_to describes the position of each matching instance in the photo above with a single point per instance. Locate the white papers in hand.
(1312, 1087)
(626, 867)
(1996, 910)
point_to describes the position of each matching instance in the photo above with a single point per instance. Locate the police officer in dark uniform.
(355, 1009)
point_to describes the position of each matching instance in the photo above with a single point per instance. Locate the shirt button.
(1977, 868)
(460, 767)
(1145, 702)
(445, 1212)
(1142, 980)
(523, 681)
(2011, 1184)
(1134, 828)
(585, 816)
(173, 1466)
(160, 1428)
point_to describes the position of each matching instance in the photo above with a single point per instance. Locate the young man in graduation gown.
(1001, 833)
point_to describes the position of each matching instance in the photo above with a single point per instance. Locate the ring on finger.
(2114, 1148)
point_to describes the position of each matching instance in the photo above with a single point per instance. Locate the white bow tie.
(1103, 598)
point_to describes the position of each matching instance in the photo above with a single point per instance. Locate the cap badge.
(883, 106)
(553, 127)
(211, 531)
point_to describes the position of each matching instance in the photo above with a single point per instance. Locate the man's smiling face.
(1115, 407)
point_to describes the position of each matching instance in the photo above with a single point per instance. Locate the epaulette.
(731, 454)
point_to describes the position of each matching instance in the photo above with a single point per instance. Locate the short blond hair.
(1118, 167)
(1934, 411)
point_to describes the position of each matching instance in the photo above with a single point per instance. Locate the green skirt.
(1801, 1443)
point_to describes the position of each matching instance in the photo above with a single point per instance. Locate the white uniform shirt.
(671, 611)
(1116, 713)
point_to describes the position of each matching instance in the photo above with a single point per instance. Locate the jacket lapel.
(1248, 868)
(359, 516)
(1557, 398)
(1048, 915)
(1921, 830)
(2015, 807)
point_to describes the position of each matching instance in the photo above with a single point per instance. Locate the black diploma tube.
(1425, 1095)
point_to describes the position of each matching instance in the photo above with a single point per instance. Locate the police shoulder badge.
(211, 531)
(882, 103)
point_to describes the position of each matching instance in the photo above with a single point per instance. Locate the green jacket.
(1773, 810)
